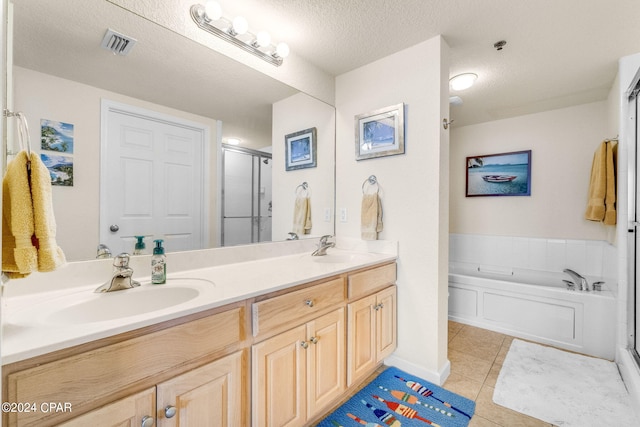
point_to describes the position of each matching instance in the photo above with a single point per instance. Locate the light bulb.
(282, 50)
(212, 10)
(263, 39)
(240, 25)
(462, 81)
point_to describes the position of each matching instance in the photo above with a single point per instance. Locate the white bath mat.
(563, 388)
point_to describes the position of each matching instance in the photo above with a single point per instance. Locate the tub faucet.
(121, 276)
(580, 281)
(323, 245)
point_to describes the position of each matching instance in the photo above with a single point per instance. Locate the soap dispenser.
(158, 264)
(140, 246)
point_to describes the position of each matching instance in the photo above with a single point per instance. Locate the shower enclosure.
(246, 196)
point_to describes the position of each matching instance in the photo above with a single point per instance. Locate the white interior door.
(152, 180)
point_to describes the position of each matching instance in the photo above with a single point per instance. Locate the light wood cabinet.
(89, 380)
(132, 411)
(206, 396)
(372, 332)
(298, 373)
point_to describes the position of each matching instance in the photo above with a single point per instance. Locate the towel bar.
(23, 130)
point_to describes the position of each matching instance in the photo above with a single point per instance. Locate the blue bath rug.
(397, 399)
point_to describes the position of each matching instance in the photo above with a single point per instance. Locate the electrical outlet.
(327, 215)
(343, 214)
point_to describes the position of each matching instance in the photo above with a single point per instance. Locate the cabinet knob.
(170, 411)
(378, 306)
(314, 340)
(309, 303)
(114, 228)
(147, 421)
(304, 344)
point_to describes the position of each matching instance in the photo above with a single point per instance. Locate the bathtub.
(535, 306)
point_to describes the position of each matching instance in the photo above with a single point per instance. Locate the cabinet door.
(386, 323)
(278, 378)
(127, 412)
(361, 341)
(325, 360)
(207, 396)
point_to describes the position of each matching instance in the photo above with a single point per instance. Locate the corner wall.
(296, 113)
(562, 142)
(413, 187)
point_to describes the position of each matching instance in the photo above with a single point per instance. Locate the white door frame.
(107, 106)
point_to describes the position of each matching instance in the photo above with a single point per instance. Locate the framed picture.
(380, 133)
(301, 149)
(503, 174)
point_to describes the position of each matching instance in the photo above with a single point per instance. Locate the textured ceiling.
(559, 52)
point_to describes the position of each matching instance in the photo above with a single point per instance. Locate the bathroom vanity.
(281, 352)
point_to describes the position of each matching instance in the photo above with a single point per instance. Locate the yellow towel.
(370, 217)
(602, 186)
(28, 224)
(302, 215)
(50, 256)
(19, 256)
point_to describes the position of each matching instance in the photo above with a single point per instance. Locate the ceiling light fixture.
(462, 81)
(209, 18)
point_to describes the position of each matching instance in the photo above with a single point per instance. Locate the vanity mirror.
(61, 73)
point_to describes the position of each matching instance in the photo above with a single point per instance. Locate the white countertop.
(28, 330)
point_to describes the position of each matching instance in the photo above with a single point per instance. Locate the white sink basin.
(87, 306)
(338, 258)
(119, 304)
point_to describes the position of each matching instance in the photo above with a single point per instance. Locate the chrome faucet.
(292, 236)
(580, 282)
(323, 245)
(103, 251)
(121, 276)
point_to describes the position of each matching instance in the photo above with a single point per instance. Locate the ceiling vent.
(117, 43)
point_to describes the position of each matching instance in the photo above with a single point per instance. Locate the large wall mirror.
(60, 76)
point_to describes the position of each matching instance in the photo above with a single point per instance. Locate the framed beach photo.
(301, 149)
(380, 133)
(503, 174)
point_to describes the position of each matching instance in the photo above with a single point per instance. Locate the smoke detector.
(117, 43)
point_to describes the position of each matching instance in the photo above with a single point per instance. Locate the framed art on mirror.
(301, 149)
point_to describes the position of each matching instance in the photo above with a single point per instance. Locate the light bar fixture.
(209, 18)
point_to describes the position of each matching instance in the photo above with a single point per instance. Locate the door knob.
(114, 228)
(170, 411)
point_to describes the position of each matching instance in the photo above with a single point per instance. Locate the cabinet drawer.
(296, 306)
(95, 374)
(361, 284)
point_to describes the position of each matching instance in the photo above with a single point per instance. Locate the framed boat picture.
(503, 174)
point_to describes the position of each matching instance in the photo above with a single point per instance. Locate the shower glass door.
(246, 196)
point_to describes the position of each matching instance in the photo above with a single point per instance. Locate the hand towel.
(28, 224)
(50, 256)
(302, 215)
(19, 255)
(602, 187)
(370, 217)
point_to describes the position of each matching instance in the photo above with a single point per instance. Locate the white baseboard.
(437, 378)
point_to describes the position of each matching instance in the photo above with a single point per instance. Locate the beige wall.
(42, 96)
(296, 113)
(414, 190)
(562, 142)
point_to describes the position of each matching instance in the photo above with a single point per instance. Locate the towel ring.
(372, 180)
(305, 190)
